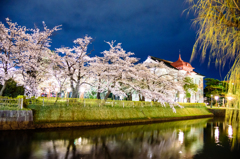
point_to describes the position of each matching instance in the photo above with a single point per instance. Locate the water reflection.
(230, 131)
(216, 134)
(180, 139)
(144, 144)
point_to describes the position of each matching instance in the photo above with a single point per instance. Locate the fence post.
(43, 101)
(21, 103)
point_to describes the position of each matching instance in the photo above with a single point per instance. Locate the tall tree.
(157, 82)
(13, 43)
(23, 51)
(74, 62)
(215, 87)
(219, 31)
(111, 71)
(116, 73)
(37, 58)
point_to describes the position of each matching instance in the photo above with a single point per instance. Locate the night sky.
(146, 27)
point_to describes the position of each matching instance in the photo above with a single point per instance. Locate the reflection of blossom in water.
(180, 137)
(167, 146)
(230, 131)
(216, 134)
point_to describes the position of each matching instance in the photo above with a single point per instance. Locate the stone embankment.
(218, 112)
(16, 119)
(24, 119)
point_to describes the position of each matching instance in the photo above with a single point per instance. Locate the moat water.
(199, 138)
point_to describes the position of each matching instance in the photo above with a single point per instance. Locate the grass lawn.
(106, 113)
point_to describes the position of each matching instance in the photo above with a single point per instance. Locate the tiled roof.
(168, 63)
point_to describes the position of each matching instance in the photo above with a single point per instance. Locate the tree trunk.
(130, 97)
(98, 95)
(141, 98)
(74, 93)
(106, 96)
(57, 95)
(3, 88)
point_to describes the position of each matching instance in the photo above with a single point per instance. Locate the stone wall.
(16, 119)
(218, 112)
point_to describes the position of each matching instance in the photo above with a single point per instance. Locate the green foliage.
(12, 90)
(93, 110)
(215, 87)
(189, 86)
(92, 94)
(12, 108)
(218, 36)
(25, 102)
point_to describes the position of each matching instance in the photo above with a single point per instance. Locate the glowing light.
(216, 97)
(229, 98)
(82, 89)
(68, 89)
(181, 95)
(180, 137)
(230, 131)
(216, 134)
(80, 140)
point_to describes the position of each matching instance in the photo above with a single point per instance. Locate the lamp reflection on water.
(230, 131)
(216, 134)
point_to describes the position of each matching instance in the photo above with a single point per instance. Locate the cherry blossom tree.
(157, 82)
(74, 62)
(111, 70)
(37, 58)
(13, 42)
(116, 73)
(24, 51)
(58, 73)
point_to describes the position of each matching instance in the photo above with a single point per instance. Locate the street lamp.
(211, 100)
(216, 98)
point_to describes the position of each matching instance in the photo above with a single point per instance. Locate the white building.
(186, 68)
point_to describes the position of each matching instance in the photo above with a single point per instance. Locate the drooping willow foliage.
(218, 24)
